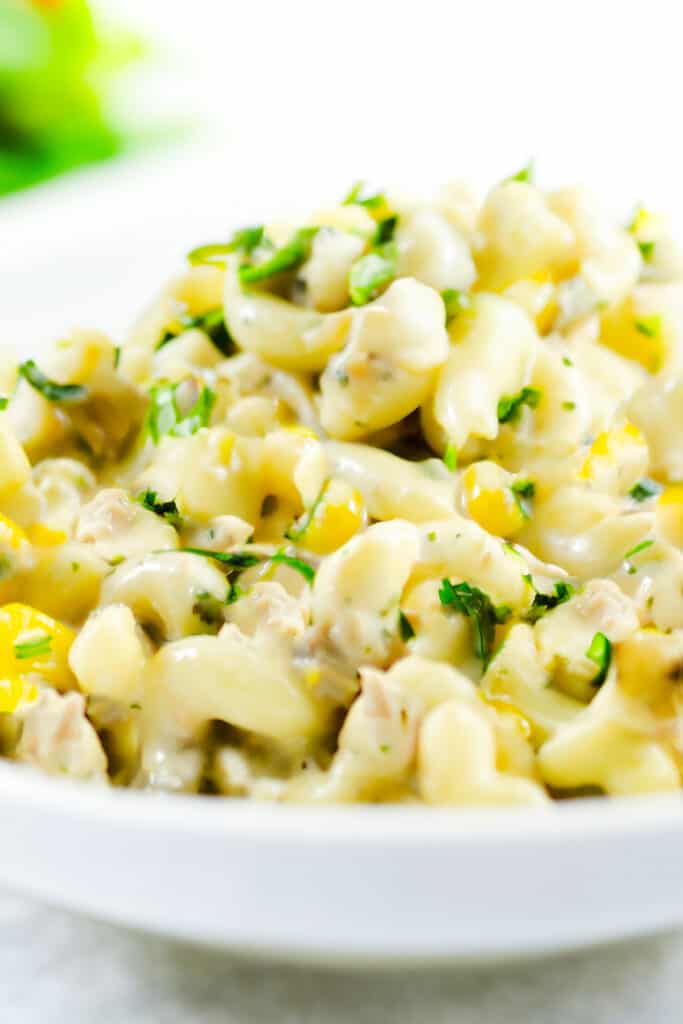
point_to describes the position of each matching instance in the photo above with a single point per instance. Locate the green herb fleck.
(567, 361)
(569, 406)
(384, 232)
(168, 510)
(510, 406)
(296, 532)
(37, 647)
(450, 457)
(49, 388)
(543, 603)
(650, 326)
(523, 491)
(287, 257)
(600, 651)
(645, 489)
(233, 559)
(211, 323)
(244, 240)
(431, 536)
(643, 546)
(164, 417)
(75, 566)
(4, 402)
(478, 607)
(524, 174)
(208, 608)
(455, 302)
(405, 628)
(306, 570)
(117, 356)
(647, 250)
(370, 273)
(355, 197)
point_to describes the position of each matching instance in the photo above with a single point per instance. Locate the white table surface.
(58, 968)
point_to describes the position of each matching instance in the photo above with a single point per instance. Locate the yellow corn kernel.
(14, 692)
(44, 536)
(636, 334)
(15, 468)
(32, 642)
(669, 513)
(337, 516)
(490, 502)
(616, 459)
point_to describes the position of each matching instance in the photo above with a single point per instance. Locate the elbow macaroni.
(386, 508)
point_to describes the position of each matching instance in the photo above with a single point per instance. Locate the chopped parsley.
(542, 603)
(567, 361)
(455, 302)
(643, 546)
(50, 389)
(306, 570)
(645, 489)
(287, 257)
(525, 174)
(233, 559)
(650, 326)
(355, 197)
(510, 406)
(450, 457)
(370, 273)
(478, 607)
(244, 240)
(211, 323)
(405, 629)
(384, 232)
(168, 510)
(296, 532)
(647, 250)
(523, 491)
(39, 646)
(117, 356)
(569, 406)
(600, 651)
(164, 417)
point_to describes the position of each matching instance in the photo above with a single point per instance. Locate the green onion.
(296, 532)
(211, 323)
(569, 406)
(524, 174)
(370, 273)
(234, 559)
(543, 603)
(478, 607)
(647, 250)
(306, 570)
(510, 406)
(405, 629)
(35, 648)
(355, 197)
(164, 417)
(288, 257)
(384, 232)
(243, 240)
(600, 651)
(645, 489)
(168, 510)
(455, 302)
(450, 457)
(643, 546)
(523, 491)
(50, 389)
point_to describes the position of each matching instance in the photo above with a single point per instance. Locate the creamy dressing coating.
(386, 506)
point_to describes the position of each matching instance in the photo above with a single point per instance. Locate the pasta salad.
(384, 506)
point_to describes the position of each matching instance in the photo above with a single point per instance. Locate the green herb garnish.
(296, 532)
(36, 648)
(650, 326)
(288, 257)
(647, 250)
(384, 232)
(164, 416)
(450, 457)
(600, 651)
(208, 608)
(405, 629)
(523, 491)
(306, 570)
(510, 406)
(211, 323)
(524, 174)
(244, 240)
(233, 559)
(455, 302)
(168, 510)
(645, 489)
(117, 356)
(50, 389)
(543, 603)
(567, 361)
(370, 273)
(478, 607)
(355, 197)
(643, 546)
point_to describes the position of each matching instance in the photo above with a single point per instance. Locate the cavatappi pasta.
(386, 506)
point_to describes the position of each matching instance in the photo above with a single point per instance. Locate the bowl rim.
(589, 818)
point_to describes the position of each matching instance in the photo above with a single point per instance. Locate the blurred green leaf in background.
(56, 68)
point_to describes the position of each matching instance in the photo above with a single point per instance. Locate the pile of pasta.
(384, 506)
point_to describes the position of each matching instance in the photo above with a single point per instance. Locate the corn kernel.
(636, 334)
(32, 642)
(616, 459)
(44, 536)
(14, 692)
(339, 515)
(490, 501)
(15, 468)
(669, 513)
